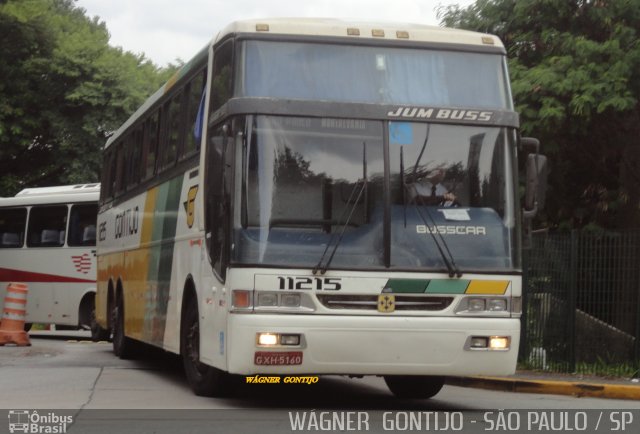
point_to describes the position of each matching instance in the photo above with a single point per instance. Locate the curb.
(580, 390)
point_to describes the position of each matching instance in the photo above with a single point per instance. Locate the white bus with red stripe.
(47, 241)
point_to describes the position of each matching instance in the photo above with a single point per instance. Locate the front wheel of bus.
(204, 380)
(414, 386)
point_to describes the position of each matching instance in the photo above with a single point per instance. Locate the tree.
(63, 90)
(575, 72)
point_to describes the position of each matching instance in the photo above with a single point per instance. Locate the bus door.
(78, 257)
(45, 236)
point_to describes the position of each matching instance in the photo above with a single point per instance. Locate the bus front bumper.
(372, 345)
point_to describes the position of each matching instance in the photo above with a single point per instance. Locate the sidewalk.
(555, 384)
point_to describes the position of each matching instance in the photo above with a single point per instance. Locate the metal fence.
(582, 303)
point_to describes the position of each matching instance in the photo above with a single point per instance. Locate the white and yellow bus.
(259, 212)
(47, 240)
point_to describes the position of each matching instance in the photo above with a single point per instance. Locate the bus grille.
(370, 302)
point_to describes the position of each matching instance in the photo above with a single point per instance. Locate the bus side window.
(108, 175)
(47, 226)
(173, 132)
(82, 225)
(217, 207)
(222, 81)
(120, 161)
(12, 225)
(150, 145)
(135, 157)
(195, 108)
(127, 162)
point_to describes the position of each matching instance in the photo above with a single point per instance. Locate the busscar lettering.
(451, 230)
(441, 114)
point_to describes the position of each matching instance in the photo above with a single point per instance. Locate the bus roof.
(322, 27)
(52, 195)
(332, 27)
(61, 189)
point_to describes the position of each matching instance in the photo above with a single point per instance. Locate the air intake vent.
(416, 303)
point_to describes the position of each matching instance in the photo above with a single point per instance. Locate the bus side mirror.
(535, 185)
(536, 178)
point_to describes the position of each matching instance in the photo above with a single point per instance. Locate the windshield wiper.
(351, 210)
(447, 258)
(450, 261)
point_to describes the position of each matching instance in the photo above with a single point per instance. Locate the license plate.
(278, 358)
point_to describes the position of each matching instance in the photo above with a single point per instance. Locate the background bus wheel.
(122, 345)
(414, 386)
(97, 332)
(27, 326)
(204, 380)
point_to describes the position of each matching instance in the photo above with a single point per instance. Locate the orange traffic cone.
(12, 325)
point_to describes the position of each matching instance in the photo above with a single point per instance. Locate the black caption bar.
(267, 421)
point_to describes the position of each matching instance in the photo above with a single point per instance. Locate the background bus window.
(12, 224)
(82, 225)
(47, 225)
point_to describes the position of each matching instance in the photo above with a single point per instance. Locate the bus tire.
(414, 386)
(204, 380)
(123, 347)
(27, 326)
(97, 332)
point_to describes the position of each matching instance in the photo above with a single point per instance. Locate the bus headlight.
(488, 343)
(499, 343)
(267, 299)
(290, 300)
(483, 305)
(476, 305)
(257, 301)
(266, 339)
(497, 305)
(478, 342)
(290, 340)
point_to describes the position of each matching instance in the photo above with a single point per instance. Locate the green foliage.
(63, 89)
(575, 71)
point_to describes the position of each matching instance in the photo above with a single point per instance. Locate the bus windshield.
(311, 184)
(362, 74)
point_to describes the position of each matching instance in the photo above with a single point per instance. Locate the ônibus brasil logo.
(32, 422)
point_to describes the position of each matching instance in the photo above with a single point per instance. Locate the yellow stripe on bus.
(487, 287)
(147, 217)
(137, 271)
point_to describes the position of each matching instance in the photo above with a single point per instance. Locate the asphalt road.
(67, 374)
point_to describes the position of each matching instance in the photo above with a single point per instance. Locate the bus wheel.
(27, 326)
(414, 386)
(204, 380)
(122, 345)
(97, 332)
